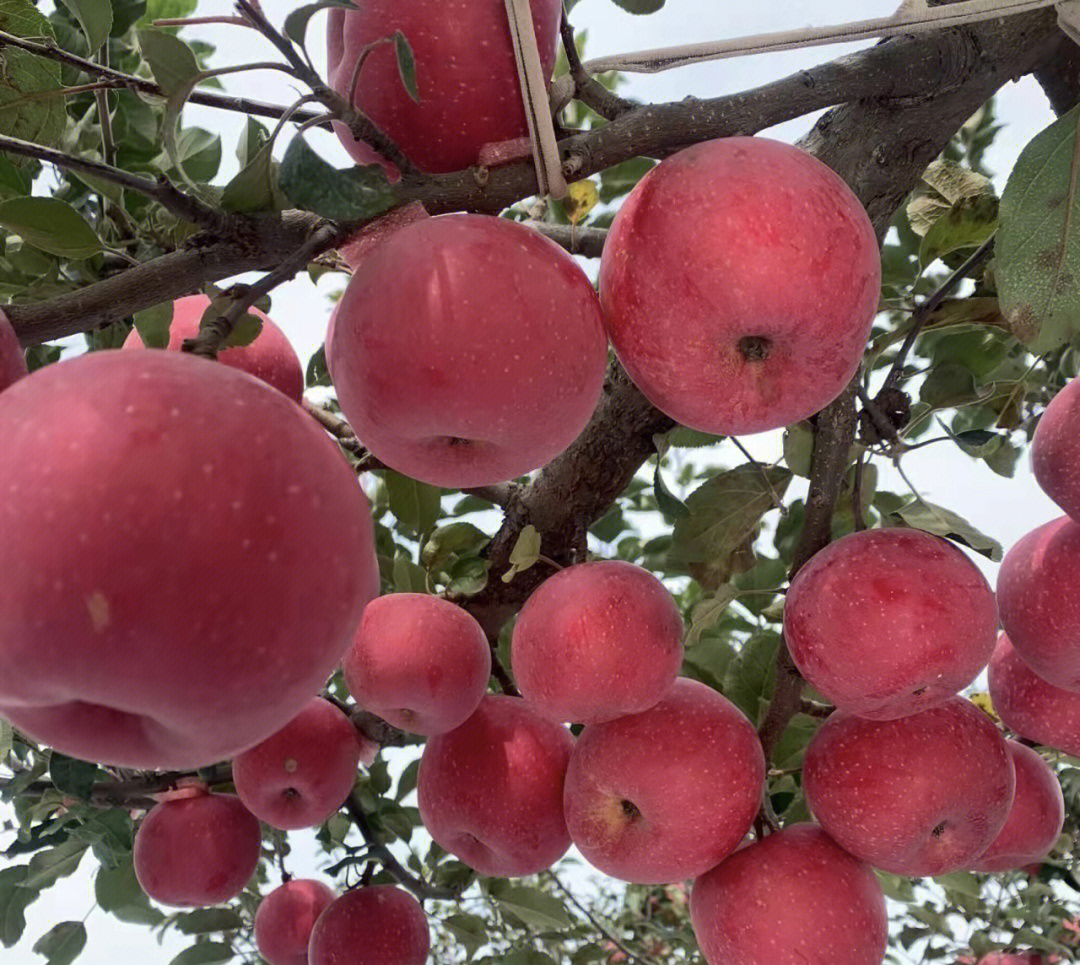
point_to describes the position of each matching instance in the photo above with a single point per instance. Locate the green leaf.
(206, 920)
(7, 735)
(930, 518)
(527, 956)
(206, 953)
(947, 385)
(13, 183)
(799, 448)
(118, 892)
(526, 553)
(49, 866)
(944, 185)
(40, 120)
(296, 23)
(471, 931)
(707, 613)
(416, 505)
(74, 777)
(1038, 242)
(311, 183)
(171, 61)
(725, 512)
(406, 63)
(252, 189)
(748, 681)
(96, 19)
(535, 908)
(967, 224)
(683, 438)
(448, 541)
(621, 179)
(51, 225)
(15, 898)
(152, 324)
(408, 577)
(640, 6)
(317, 373)
(62, 943)
(669, 504)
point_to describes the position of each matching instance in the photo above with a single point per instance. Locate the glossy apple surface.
(921, 795)
(889, 622)
(481, 362)
(1055, 449)
(186, 556)
(270, 357)
(666, 794)
(739, 283)
(382, 925)
(418, 662)
(285, 918)
(597, 641)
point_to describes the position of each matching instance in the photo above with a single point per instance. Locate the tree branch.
(588, 242)
(1059, 75)
(587, 89)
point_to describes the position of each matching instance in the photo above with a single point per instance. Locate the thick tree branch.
(1059, 74)
(578, 241)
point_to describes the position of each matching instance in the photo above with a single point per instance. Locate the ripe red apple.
(922, 795)
(793, 898)
(299, 777)
(197, 851)
(466, 76)
(889, 622)
(1014, 958)
(482, 361)
(491, 791)
(418, 662)
(12, 360)
(185, 557)
(666, 794)
(597, 641)
(371, 926)
(270, 357)
(739, 283)
(1029, 705)
(1055, 450)
(1035, 819)
(1040, 609)
(285, 918)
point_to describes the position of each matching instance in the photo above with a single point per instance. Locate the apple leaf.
(74, 777)
(406, 64)
(748, 682)
(7, 735)
(1038, 242)
(96, 19)
(51, 225)
(252, 188)
(317, 373)
(581, 198)
(707, 612)
(49, 866)
(640, 6)
(527, 956)
(669, 504)
(526, 553)
(62, 943)
(207, 953)
(117, 891)
(919, 514)
(296, 23)
(25, 76)
(621, 179)
(535, 908)
(15, 897)
(311, 183)
(416, 505)
(471, 931)
(171, 61)
(202, 921)
(944, 185)
(152, 324)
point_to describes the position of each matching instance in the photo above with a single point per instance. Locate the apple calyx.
(755, 348)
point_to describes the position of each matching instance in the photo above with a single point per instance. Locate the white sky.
(1004, 508)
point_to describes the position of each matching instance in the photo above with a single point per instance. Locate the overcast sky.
(1004, 508)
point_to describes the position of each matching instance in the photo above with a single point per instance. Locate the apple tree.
(492, 574)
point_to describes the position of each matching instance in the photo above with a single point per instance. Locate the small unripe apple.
(889, 622)
(1029, 705)
(382, 925)
(466, 75)
(197, 851)
(1055, 450)
(1035, 818)
(270, 357)
(793, 898)
(666, 794)
(1040, 609)
(285, 918)
(418, 662)
(491, 791)
(484, 359)
(183, 571)
(597, 641)
(12, 360)
(739, 283)
(300, 776)
(921, 795)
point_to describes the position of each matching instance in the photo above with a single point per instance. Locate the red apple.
(889, 622)
(466, 75)
(491, 791)
(1055, 450)
(922, 795)
(666, 794)
(1035, 819)
(197, 851)
(482, 361)
(418, 662)
(285, 918)
(299, 777)
(12, 360)
(597, 641)
(270, 357)
(371, 926)
(1040, 609)
(1029, 705)
(739, 283)
(185, 557)
(794, 898)
(1014, 958)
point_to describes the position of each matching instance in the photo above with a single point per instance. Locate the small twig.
(856, 494)
(608, 933)
(193, 21)
(588, 242)
(929, 305)
(361, 59)
(588, 90)
(422, 889)
(813, 708)
(336, 426)
(768, 815)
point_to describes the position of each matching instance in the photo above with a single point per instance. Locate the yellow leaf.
(985, 704)
(581, 198)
